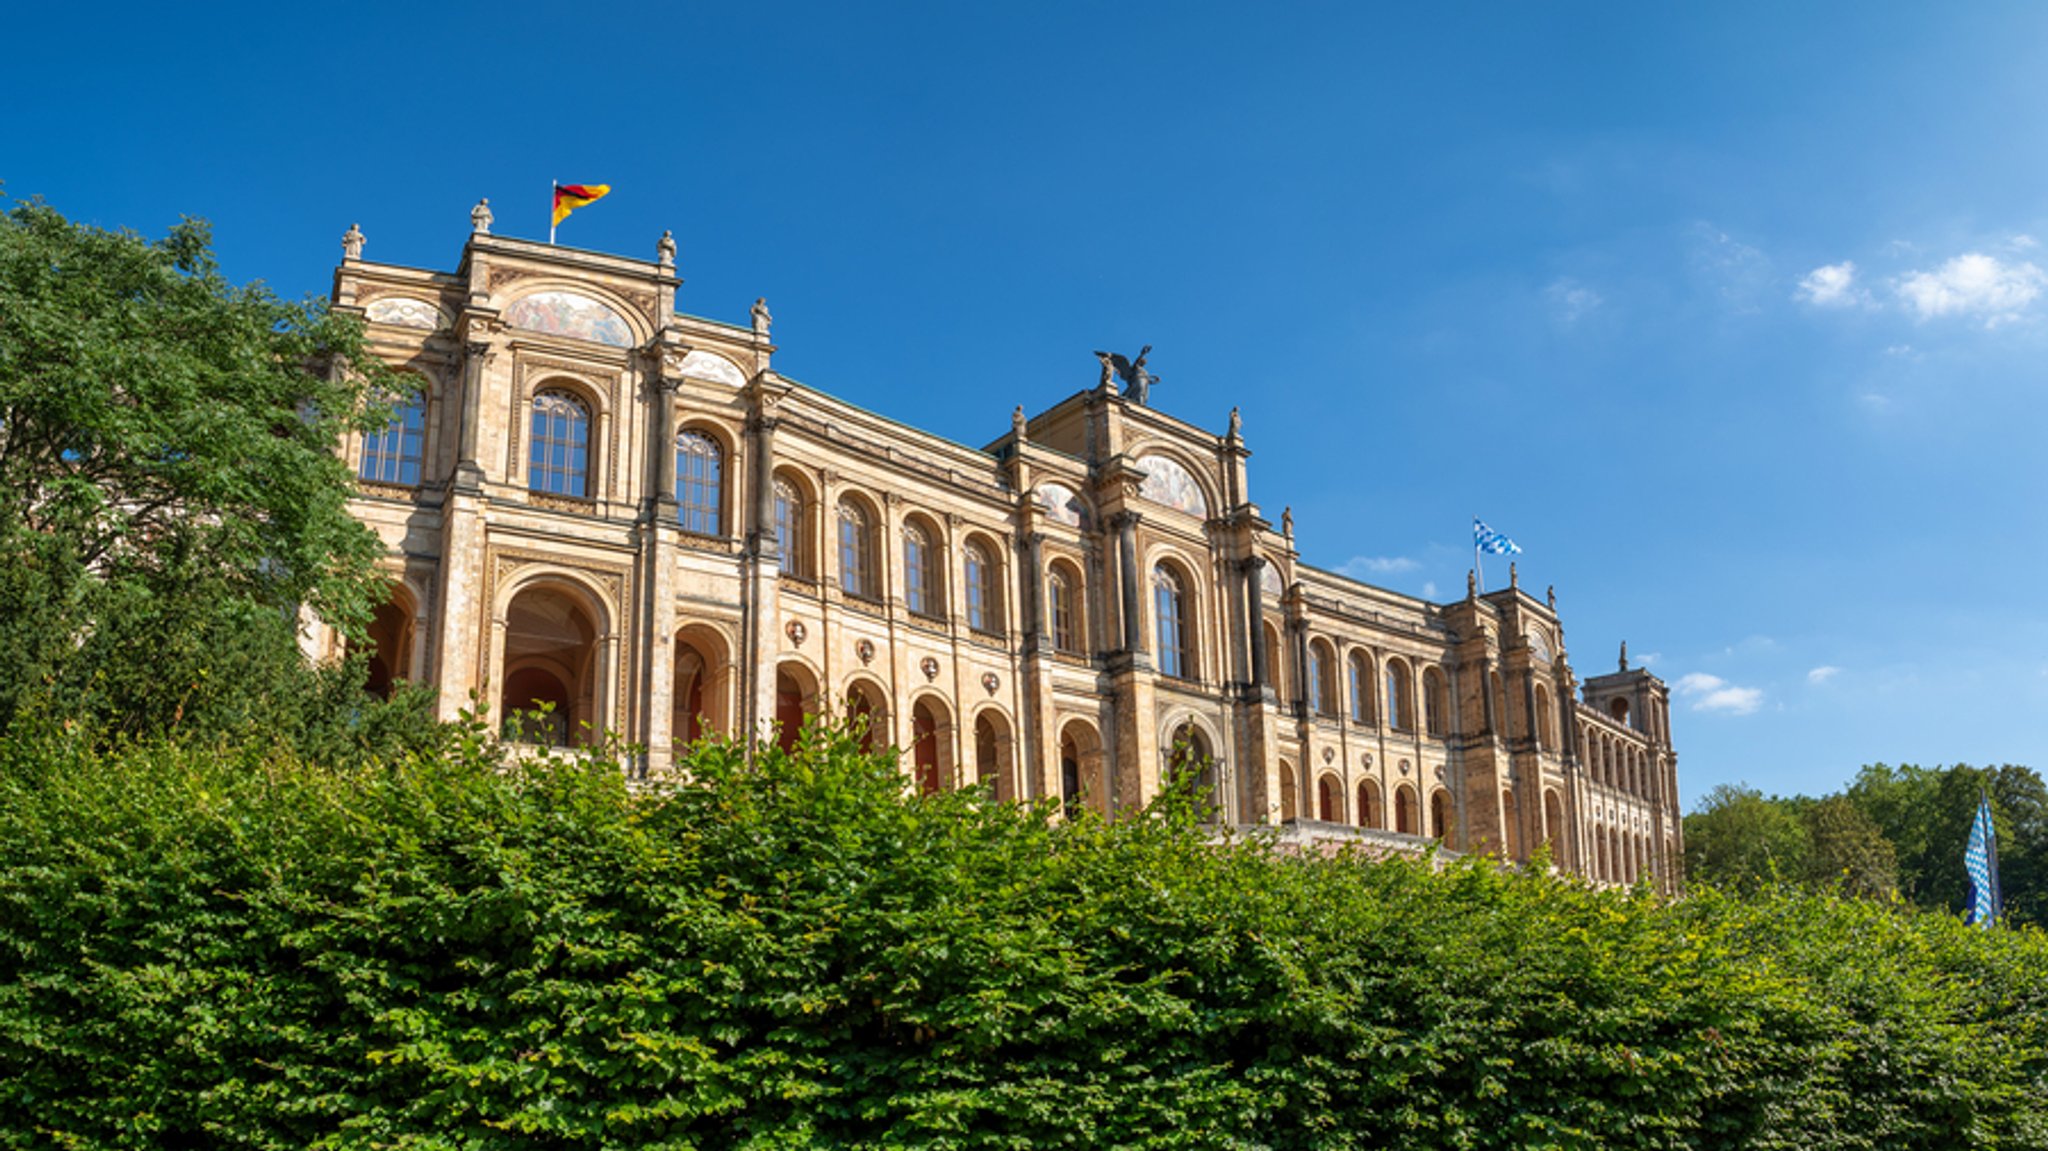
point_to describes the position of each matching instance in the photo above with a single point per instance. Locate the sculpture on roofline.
(1137, 381)
(761, 317)
(480, 217)
(665, 247)
(352, 243)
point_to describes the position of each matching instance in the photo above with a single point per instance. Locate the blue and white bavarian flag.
(1980, 859)
(1492, 542)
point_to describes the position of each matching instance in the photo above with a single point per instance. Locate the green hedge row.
(226, 948)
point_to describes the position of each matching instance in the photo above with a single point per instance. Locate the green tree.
(1846, 845)
(170, 491)
(1739, 838)
(1925, 813)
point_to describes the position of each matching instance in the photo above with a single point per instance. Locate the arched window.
(559, 459)
(1170, 622)
(1400, 696)
(1404, 810)
(1435, 707)
(1327, 804)
(984, 607)
(699, 469)
(920, 573)
(856, 552)
(1368, 804)
(1322, 682)
(392, 456)
(1060, 594)
(1545, 734)
(1361, 689)
(789, 527)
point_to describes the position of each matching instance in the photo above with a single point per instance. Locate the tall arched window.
(1361, 689)
(789, 527)
(392, 456)
(921, 588)
(856, 552)
(1436, 710)
(1170, 623)
(559, 459)
(699, 469)
(1322, 679)
(984, 607)
(1059, 590)
(1545, 737)
(1400, 696)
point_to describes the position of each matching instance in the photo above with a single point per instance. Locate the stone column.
(761, 629)
(1255, 621)
(469, 471)
(1037, 627)
(665, 444)
(1126, 524)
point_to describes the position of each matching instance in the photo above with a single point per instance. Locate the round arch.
(796, 697)
(702, 702)
(1081, 767)
(1369, 814)
(553, 638)
(993, 765)
(866, 707)
(932, 766)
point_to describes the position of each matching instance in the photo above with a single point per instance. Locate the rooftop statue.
(352, 243)
(1137, 381)
(480, 217)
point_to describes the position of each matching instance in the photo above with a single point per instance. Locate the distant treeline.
(1895, 831)
(229, 945)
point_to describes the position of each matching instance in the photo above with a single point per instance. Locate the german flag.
(569, 197)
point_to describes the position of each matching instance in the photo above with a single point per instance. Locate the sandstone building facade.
(625, 512)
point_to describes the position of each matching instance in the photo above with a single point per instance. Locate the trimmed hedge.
(232, 948)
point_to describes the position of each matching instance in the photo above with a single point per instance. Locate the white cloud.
(1973, 284)
(2021, 242)
(1899, 350)
(1712, 693)
(1822, 674)
(1832, 286)
(1875, 401)
(1429, 589)
(1358, 567)
(1571, 301)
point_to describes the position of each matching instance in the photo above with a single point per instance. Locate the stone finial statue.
(480, 217)
(1287, 521)
(1624, 655)
(666, 248)
(761, 317)
(1471, 584)
(1236, 425)
(1550, 597)
(1108, 381)
(1017, 422)
(1514, 577)
(352, 243)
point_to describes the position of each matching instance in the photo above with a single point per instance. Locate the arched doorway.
(551, 694)
(930, 731)
(796, 693)
(1080, 769)
(867, 712)
(1191, 765)
(1440, 816)
(1326, 801)
(390, 643)
(1368, 804)
(700, 704)
(992, 753)
(1404, 810)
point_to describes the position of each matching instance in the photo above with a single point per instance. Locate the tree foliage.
(232, 949)
(1894, 831)
(170, 491)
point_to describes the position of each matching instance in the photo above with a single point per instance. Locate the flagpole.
(1478, 564)
(554, 190)
(1991, 858)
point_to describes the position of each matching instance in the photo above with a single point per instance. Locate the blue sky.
(1734, 316)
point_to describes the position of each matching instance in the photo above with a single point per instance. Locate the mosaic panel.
(1062, 505)
(711, 366)
(569, 314)
(1166, 482)
(405, 312)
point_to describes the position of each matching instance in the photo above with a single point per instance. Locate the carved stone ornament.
(865, 649)
(1329, 754)
(796, 632)
(1404, 767)
(991, 681)
(929, 666)
(1439, 771)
